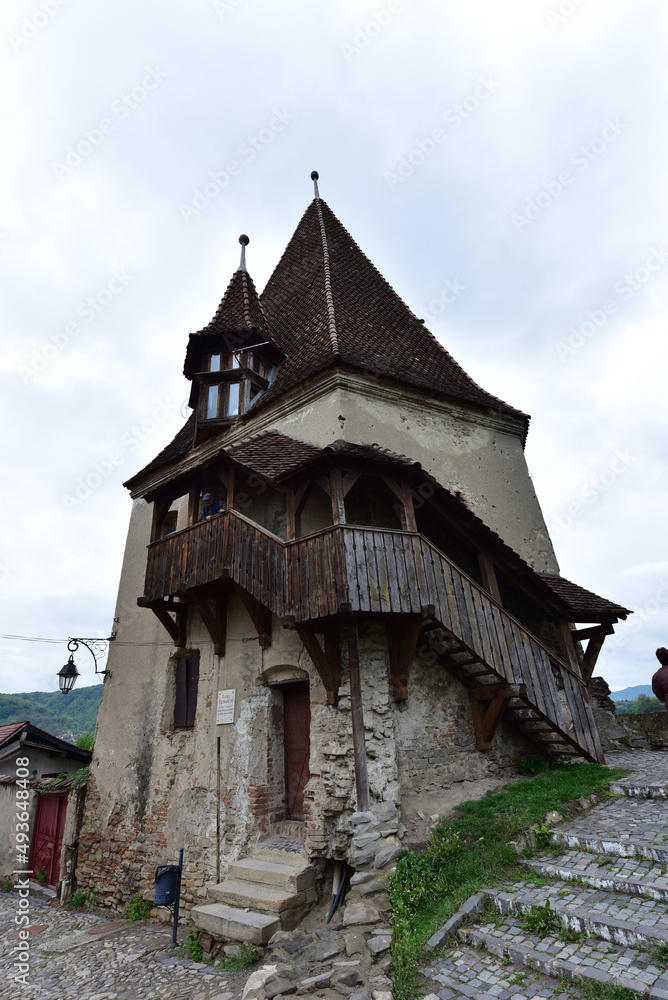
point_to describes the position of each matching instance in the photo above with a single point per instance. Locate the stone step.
(628, 921)
(259, 896)
(464, 972)
(235, 924)
(637, 788)
(280, 852)
(635, 876)
(590, 959)
(289, 829)
(287, 876)
(625, 827)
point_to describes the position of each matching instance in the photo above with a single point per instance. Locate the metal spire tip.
(244, 240)
(314, 177)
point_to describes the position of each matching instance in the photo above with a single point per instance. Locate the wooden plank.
(383, 569)
(371, 569)
(394, 589)
(415, 568)
(520, 674)
(358, 597)
(503, 645)
(464, 633)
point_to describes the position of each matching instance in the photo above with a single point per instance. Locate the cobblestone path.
(84, 956)
(605, 877)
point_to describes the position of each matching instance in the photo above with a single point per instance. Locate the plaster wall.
(8, 822)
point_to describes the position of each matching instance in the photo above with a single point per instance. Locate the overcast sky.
(502, 162)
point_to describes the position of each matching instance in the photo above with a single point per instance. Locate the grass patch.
(137, 908)
(605, 991)
(246, 957)
(472, 852)
(541, 920)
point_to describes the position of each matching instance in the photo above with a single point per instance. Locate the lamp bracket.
(96, 647)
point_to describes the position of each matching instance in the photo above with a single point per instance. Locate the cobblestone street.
(84, 956)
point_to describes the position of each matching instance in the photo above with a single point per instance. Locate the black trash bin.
(166, 880)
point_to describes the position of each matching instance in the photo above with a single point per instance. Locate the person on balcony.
(210, 507)
(660, 678)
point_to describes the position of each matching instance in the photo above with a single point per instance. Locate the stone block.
(360, 913)
(317, 982)
(279, 987)
(365, 994)
(350, 977)
(388, 853)
(377, 945)
(355, 944)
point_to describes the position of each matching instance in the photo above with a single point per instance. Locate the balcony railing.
(372, 570)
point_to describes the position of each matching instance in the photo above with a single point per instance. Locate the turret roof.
(239, 319)
(328, 306)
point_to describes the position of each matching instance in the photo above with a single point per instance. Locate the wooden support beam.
(337, 495)
(160, 508)
(176, 626)
(359, 746)
(485, 720)
(403, 493)
(213, 613)
(588, 633)
(488, 573)
(403, 634)
(568, 650)
(326, 661)
(594, 646)
(259, 615)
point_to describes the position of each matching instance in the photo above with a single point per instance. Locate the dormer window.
(223, 400)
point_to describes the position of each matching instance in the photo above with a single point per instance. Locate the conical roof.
(239, 317)
(328, 306)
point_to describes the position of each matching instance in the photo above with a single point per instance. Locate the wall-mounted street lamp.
(68, 675)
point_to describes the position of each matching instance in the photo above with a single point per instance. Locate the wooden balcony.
(376, 571)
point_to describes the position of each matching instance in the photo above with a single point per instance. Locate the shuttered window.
(185, 702)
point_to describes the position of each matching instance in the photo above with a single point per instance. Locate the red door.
(297, 719)
(47, 837)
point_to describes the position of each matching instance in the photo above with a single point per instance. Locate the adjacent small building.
(339, 598)
(39, 766)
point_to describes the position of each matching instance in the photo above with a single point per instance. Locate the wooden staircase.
(492, 696)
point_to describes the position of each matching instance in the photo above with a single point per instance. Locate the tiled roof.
(10, 729)
(239, 319)
(273, 455)
(584, 605)
(328, 305)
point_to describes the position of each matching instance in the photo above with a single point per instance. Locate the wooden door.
(297, 722)
(47, 838)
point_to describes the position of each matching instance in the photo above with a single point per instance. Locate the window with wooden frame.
(185, 699)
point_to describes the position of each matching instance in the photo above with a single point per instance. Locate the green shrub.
(245, 958)
(192, 945)
(8, 886)
(85, 741)
(541, 920)
(137, 908)
(77, 899)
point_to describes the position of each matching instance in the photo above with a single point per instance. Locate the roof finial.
(243, 239)
(314, 177)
